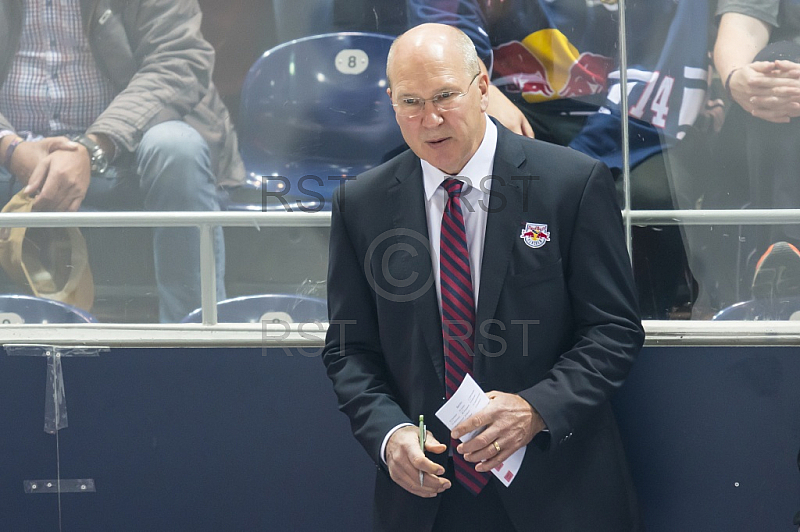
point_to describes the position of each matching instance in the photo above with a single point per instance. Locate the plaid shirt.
(54, 85)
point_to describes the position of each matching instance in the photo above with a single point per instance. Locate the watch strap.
(10, 152)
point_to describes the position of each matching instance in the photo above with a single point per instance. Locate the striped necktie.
(458, 315)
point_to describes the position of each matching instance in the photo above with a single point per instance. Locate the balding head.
(439, 93)
(433, 39)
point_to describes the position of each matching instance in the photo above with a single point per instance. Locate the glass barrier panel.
(667, 67)
(277, 274)
(79, 275)
(720, 146)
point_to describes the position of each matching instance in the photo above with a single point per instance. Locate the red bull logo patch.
(535, 235)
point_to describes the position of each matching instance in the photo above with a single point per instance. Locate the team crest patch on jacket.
(535, 235)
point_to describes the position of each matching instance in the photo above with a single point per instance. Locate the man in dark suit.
(481, 241)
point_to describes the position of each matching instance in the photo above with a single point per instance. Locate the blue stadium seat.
(18, 309)
(762, 309)
(313, 109)
(280, 308)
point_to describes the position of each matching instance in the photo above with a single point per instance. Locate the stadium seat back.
(313, 110)
(277, 308)
(762, 309)
(19, 309)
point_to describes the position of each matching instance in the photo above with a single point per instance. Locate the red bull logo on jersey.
(587, 75)
(521, 71)
(547, 66)
(535, 235)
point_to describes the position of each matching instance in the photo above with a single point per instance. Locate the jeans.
(753, 165)
(773, 158)
(169, 171)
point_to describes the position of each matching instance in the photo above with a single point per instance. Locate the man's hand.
(60, 180)
(29, 154)
(509, 420)
(405, 460)
(769, 90)
(507, 113)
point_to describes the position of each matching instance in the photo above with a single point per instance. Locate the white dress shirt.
(477, 176)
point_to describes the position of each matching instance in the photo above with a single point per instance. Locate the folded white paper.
(468, 400)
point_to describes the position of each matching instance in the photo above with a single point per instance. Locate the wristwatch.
(97, 156)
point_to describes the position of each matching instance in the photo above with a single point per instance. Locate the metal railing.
(211, 333)
(205, 221)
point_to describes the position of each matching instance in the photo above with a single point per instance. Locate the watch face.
(99, 163)
(97, 157)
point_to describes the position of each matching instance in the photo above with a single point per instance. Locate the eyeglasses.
(444, 101)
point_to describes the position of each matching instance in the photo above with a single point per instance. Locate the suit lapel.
(406, 198)
(502, 229)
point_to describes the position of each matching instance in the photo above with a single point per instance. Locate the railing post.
(208, 275)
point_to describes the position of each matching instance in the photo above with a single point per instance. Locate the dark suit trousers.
(461, 510)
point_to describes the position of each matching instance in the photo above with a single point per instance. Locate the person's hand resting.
(29, 154)
(60, 180)
(769, 90)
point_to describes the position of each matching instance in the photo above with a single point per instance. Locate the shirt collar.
(479, 166)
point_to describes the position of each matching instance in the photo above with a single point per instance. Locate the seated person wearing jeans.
(757, 54)
(111, 105)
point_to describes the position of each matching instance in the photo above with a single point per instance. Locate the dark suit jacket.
(557, 324)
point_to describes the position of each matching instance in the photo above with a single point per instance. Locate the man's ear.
(389, 92)
(483, 86)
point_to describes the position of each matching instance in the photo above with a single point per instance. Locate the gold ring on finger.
(496, 446)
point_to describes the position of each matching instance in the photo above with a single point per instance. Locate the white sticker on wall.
(10, 318)
(276, 316)
(352, 61)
